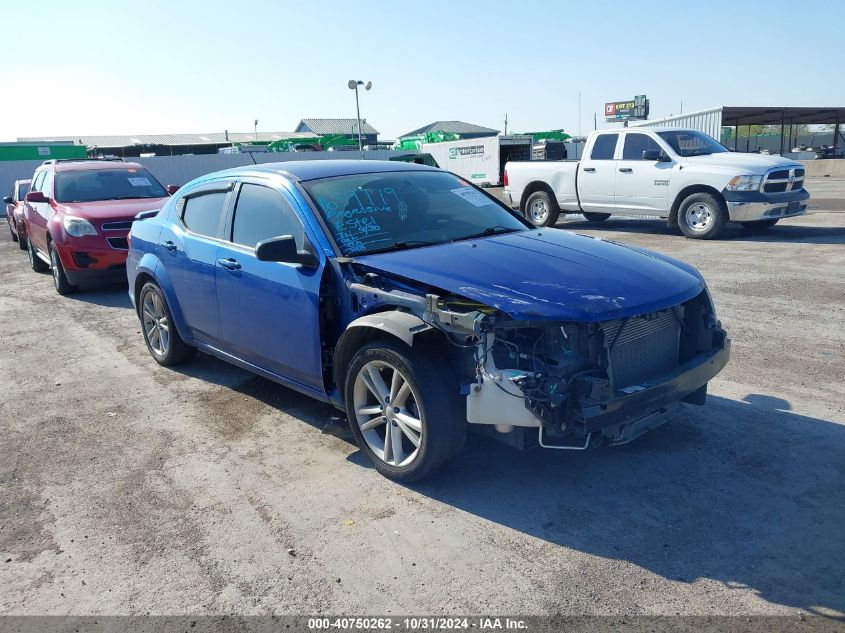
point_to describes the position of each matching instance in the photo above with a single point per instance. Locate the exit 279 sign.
(636, 108)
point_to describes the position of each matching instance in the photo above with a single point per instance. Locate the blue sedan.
(422, 307)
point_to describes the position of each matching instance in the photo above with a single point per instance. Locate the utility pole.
(353, 84)
(579, 113)
(256, 129)
(506, 123)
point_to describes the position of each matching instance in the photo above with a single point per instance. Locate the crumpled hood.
(548, 274)
(112, 209)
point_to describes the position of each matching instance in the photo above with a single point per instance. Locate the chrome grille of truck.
(641, 348)
(783, 180)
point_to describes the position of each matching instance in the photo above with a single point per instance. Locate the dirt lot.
(129, 488)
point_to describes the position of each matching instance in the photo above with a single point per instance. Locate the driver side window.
(262, 213)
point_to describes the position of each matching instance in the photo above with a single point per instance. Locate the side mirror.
(36, 196)
(283, 249)
(171, 189)
(7, 199)
(143, 215)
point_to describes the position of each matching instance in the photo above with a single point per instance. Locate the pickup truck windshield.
(91, 185)
(369, 213)
(691, 143)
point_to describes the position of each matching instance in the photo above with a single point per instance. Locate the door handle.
(590, 170)
(626, 170)
(168, 246)
(229, 263)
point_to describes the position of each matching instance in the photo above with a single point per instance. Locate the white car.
(682, 175)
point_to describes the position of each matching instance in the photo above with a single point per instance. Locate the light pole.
(256, 129)
(353, 85)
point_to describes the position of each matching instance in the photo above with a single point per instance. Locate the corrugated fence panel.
(707, 121)
(178, 170)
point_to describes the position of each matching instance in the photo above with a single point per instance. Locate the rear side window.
(262, 213)
(23, 189)
(203, 214)
(636, 144)
(604, 147)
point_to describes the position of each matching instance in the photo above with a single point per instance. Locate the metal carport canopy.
(754, 115)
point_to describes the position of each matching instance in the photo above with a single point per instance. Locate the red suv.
(78, 214)
(14, 212)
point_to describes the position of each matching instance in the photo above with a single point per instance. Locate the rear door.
(597, 175)
(642, 186)
(188, 251)
(269, 310)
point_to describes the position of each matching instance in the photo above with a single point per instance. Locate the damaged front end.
(559, 384)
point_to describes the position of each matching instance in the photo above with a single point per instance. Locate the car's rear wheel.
(11, 230)
(22, 242)
(541, 209)
(403, 410)
(163, 341)
(758, 225)
(702, 216)
(35, 262)
(596, 217)
(60, 282)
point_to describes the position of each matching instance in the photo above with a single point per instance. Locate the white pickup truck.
(682, 175)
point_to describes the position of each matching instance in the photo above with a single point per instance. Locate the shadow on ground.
(111, 296)
(733, 232)
(746, 493)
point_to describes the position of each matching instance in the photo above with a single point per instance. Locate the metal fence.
(177, 170)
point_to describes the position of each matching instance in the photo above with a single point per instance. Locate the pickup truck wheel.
(403, 411)
(596, 217)
(163, 341)
(35, 262)
(702, 216)
(60, 282)
(758, 225)
(541, 209)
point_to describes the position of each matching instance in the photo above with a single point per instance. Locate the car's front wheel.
(163, 341)
(702, 216)
(404, 412)
(60, 282)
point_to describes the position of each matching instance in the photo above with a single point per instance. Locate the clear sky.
(116, 67)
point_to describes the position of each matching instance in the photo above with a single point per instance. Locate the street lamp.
(353, 85)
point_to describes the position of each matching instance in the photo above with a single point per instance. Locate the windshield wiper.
(398, 246)
(490, 230)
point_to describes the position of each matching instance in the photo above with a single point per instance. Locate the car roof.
(87, 165)
(303, 170)
(26, 181)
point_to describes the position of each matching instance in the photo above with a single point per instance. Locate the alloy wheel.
(54, 267)
(156, 325)
(387, 413)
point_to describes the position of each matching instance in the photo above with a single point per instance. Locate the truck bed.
(560, 175)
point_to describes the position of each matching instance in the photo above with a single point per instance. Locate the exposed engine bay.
(569, 381)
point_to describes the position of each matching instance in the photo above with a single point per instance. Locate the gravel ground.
(127, 488)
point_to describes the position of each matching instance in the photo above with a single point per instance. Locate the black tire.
(35, 262)
(172, 352)
(758, 225)
(22, 243)
(541, 209)
(436, 402)
(60, 282)
(702, 216)
(596, 217)
(11, 230)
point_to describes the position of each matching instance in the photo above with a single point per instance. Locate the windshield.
(107, 184)
(23, 189)
(691, 143)
(368, 213)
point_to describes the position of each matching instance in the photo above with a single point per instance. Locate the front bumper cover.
(749, 206)
(628, 407)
